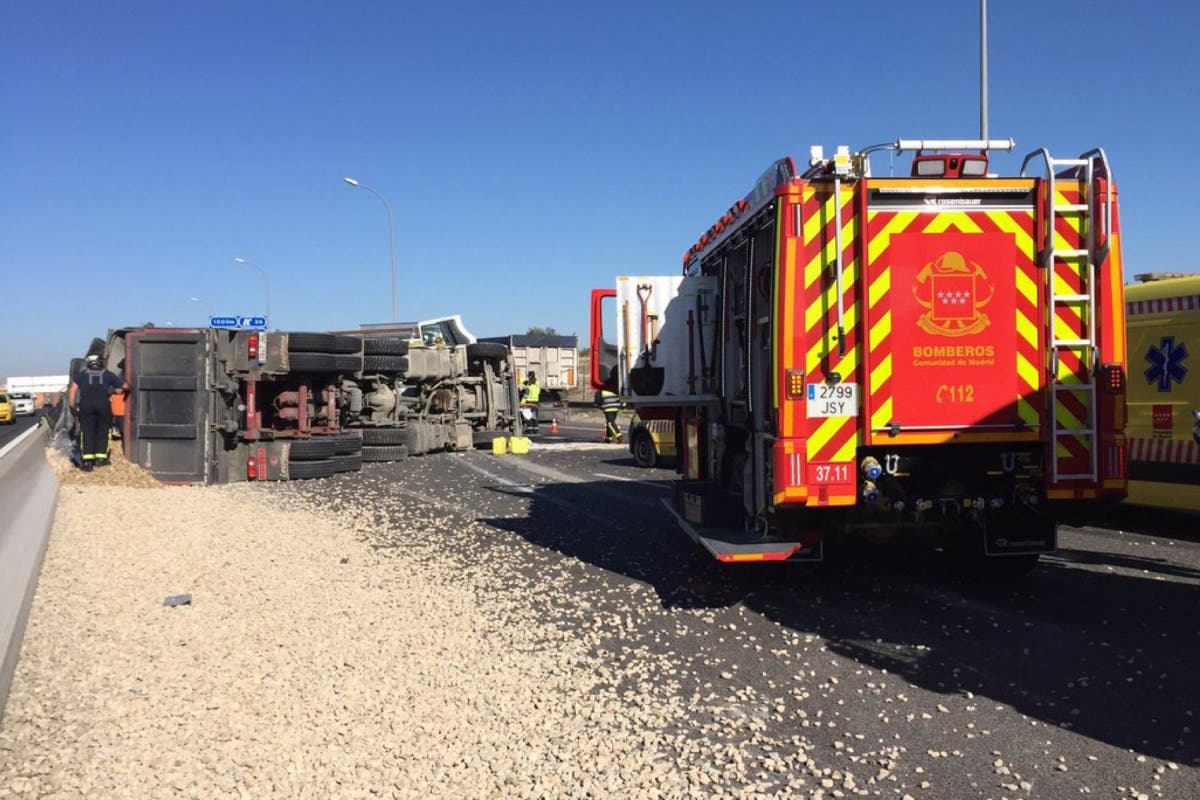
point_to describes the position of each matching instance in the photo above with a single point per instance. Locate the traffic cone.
(554, 426)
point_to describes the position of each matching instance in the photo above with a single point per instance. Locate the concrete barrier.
(28, 492)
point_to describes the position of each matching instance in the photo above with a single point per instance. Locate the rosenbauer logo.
(952, 289)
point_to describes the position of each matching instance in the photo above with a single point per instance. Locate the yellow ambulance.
(1163, 325)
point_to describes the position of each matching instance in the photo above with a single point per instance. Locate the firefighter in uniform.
(530, 394)
(610, 404)
(88, 396)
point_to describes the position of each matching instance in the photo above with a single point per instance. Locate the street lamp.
(266, 285)
(200, 301)
(391, 236)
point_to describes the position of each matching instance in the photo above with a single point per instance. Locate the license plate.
(832, 400)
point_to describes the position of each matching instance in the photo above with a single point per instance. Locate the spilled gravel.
(328, 656)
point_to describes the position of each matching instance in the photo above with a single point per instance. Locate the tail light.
(252, 346)
(1113, 378)
(795, 384)
(251, 468)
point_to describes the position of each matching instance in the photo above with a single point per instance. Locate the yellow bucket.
(499, 446)
(518, 445)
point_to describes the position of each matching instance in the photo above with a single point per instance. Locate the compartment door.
(953, 322)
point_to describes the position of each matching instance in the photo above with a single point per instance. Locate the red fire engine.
(942, 352)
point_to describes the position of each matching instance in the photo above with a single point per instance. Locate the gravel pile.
(341, 656)
(119, 471)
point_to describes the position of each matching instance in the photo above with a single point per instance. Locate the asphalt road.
(19, 426)
(1077, 680)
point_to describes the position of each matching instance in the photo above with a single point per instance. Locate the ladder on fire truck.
(1083, 172)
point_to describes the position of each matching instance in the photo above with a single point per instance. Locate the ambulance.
(1163, 323)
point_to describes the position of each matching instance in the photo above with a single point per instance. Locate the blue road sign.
(238, 323)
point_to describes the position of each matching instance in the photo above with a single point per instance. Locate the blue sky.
(530, 150)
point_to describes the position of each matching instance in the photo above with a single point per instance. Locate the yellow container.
(499, 446)
(518, 445)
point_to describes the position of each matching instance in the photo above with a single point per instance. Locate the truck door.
(168, 403)
(953, 313)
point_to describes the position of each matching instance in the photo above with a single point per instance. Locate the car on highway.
(22, 403)
(6, 410)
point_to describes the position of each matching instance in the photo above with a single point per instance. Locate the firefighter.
(610, 404)
(88, 397)
(530, 394)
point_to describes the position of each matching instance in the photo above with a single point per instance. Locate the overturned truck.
(216, 406)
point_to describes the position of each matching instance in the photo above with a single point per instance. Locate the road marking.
(633, 480)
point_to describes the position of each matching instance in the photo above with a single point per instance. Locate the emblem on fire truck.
(953, 289)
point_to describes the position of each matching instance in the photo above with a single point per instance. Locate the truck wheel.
(348, 363)
(347, 345)
(642, 447)
(316, 449)
(389, 453)
(311, 343)
(378, 436)
(348, 462)
(385, 346)
(311, 469)
(385, 363)
(312, 362)
(346, 443)
(486, 351)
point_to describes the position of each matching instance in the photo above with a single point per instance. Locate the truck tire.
(378, 436)
(385, 363)
(312, 362)
(642, 447)
(347, 345)
(316, 449)
(346, 443)
(486, 351)
(311, 469)
(385, 346)
(347, 462)
(348, 363)
(311, 343)
(385, 453)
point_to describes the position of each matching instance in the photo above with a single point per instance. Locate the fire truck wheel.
(311, 469)
(316, 449)
(312, 362)
(347, 345)
(346, 443)
(391, 364)
(486, 351)
(386, 346)
(388, 453)
(378, 436)
(348, 363)
(642, 447)
(311, 343)
(347, 462)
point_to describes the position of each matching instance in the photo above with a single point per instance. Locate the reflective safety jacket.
(607, 401)
(533, 393)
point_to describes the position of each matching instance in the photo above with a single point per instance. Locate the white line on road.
(632, 480)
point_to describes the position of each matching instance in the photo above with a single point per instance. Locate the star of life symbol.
(1166, 363)
(953, 289)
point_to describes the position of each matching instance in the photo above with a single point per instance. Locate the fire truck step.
(1073, 253)
(1072, 298)
(1069, 207)
(734, 545)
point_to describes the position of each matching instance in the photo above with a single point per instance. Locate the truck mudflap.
(699, 513)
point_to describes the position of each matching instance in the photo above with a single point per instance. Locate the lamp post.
(391, 236)
(200, 301)
(266, 285)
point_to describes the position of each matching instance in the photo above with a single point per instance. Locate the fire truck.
(938, 356)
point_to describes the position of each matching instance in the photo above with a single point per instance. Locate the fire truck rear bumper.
(704, 515)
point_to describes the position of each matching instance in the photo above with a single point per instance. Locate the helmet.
(532, 377)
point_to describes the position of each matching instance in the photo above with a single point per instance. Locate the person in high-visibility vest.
(610, 404)
(531, 393)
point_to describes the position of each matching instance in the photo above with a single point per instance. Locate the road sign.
(238, 323)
